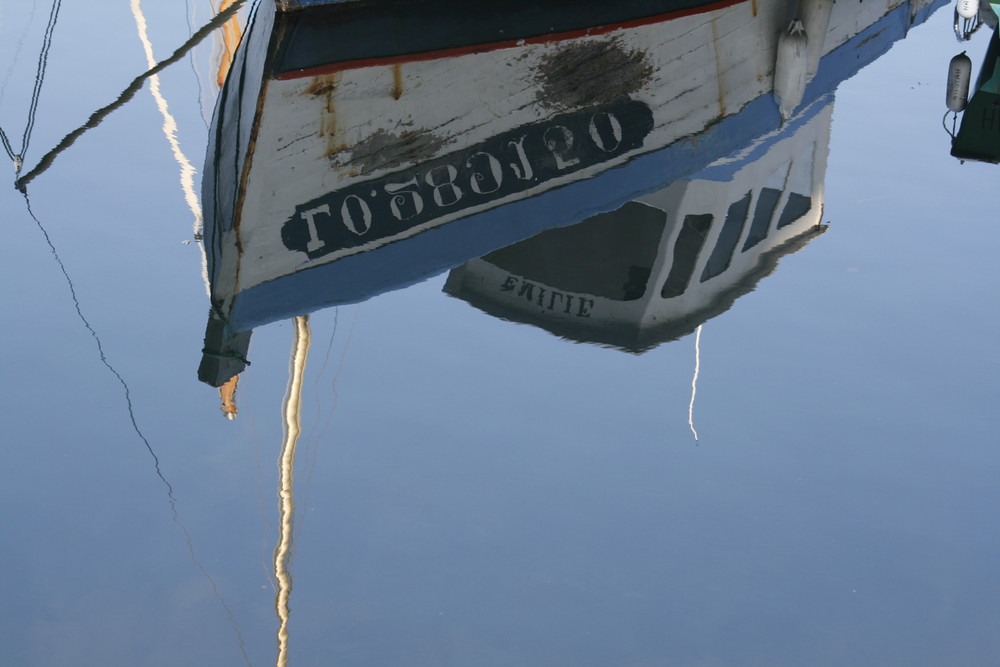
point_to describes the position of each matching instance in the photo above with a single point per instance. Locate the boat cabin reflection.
(658, 267)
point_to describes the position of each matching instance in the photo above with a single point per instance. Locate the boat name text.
(503, 165)
(547, 298)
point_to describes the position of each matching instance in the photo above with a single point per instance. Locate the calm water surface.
(472, 491)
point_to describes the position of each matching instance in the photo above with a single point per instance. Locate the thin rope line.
(189, 16)
(43, 61)
(944, 123)
(17, 53)
(322, 370)
(6, 145)
(100, 347)
(313, 453)
(172, 499)
(98, 116)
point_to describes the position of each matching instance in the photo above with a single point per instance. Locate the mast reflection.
(292, 410)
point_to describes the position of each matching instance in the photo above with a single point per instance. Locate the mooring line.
(172, 499)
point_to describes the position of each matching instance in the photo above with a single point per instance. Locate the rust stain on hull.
(325, 86)
(322, 84)
(718, 70)
(397, 81)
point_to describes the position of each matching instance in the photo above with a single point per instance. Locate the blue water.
(471, 491)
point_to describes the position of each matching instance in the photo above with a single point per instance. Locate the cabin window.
(767, 201)
(610, 255)
(796, 207)
(690, 239)
(800, 175)
(729, 236)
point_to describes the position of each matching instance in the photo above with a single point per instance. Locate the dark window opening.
(610, 255)
(796, 207)
(767, 200)
(729, 236)
(690, 240)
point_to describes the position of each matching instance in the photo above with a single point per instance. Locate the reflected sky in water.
(478, 490)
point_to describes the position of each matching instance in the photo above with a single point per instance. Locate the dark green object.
(978, 136)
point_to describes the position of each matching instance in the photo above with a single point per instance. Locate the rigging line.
(694, 380)
(17, 51)
(329, 417)
(98, 116)
(189, 15)
(314, 452)
(340, 369)
(10, 70)
(172, 499)
(6, 145)
(43, 61)
(944, 123)
(322, 370)
(100, 347)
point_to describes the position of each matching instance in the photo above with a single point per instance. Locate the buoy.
(790, 68)
(968, 9)
(959, 75)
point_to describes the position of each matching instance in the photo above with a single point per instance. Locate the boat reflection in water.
(659, 266)
(336, 174)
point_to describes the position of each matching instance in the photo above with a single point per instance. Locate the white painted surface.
(701, 68)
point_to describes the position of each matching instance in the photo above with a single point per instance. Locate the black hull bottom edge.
(386, 32)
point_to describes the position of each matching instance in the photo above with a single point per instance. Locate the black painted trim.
(318, 36)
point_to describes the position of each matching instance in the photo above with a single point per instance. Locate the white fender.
(790, 68)
(959, 75)
(815, 15)
(968, 9)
